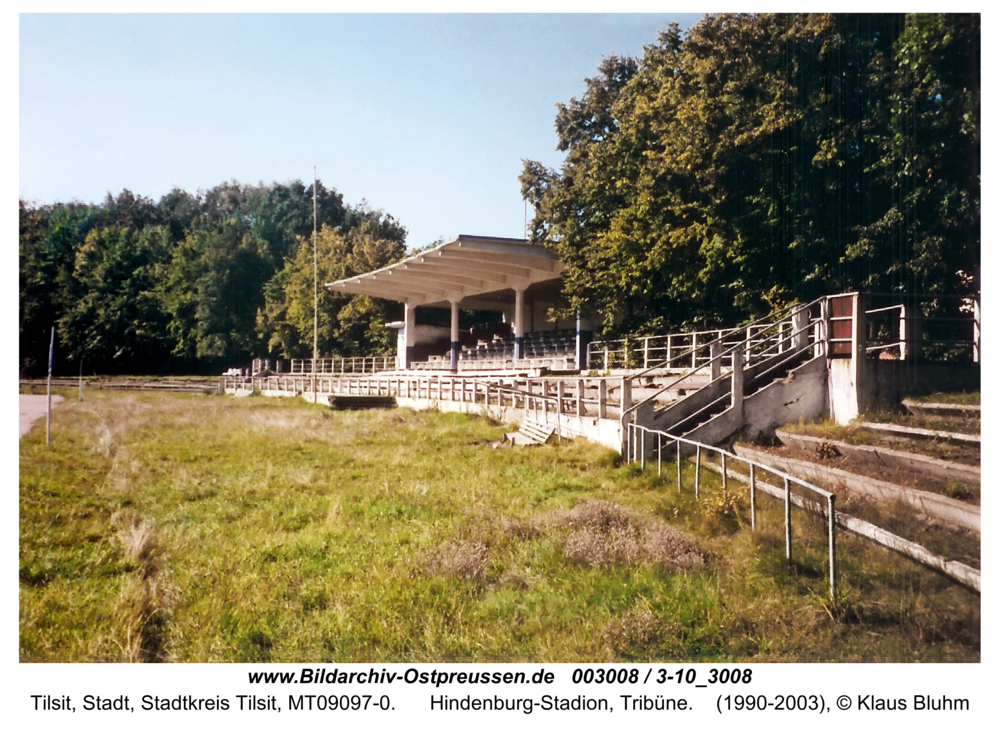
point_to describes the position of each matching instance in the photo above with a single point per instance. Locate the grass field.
(194, 528)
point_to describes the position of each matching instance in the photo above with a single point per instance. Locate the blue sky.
(425, 116)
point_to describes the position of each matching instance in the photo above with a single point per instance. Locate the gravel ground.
(31, 408)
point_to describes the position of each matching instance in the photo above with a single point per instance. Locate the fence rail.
(635, 451)
(899, 331)
(592, 397)
(343, 365)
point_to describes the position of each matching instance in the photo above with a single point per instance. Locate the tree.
(763, 159)
(115, 320)
(348, 326)
(927, 238)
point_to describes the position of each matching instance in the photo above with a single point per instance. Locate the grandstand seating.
(555, 350)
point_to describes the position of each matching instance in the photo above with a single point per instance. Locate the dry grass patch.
(143, 609)
(466, 560)
(603, 534)
(637, 632)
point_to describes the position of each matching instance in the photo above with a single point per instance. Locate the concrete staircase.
(775, 375)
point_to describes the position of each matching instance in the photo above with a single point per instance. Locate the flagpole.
(315, 289)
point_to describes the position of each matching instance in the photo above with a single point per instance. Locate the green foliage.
(766, 158)
(194, 282)
(348, 325)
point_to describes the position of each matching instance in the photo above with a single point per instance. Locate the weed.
(827, 450)
(465, 560)
(723, 510)
(251, 529)
(638, 632)
(603, 534)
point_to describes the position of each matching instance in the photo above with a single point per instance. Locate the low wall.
(605, 431)
(889, 381)
(798, 396)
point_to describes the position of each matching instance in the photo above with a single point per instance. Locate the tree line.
(761, 159)
(751, 162)
(197, 282)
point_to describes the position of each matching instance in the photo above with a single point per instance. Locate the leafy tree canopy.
(766, 158)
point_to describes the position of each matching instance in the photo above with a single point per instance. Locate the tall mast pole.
(315, 288)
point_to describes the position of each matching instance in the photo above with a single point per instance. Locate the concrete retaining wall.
(799, 396)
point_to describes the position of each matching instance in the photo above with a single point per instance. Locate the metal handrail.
(781, 312)
(789, 479)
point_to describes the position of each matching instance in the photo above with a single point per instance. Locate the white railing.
(343, 365)
(635, 452)
(776, 336)
(899, 332)
(592, 397)
(681, 350)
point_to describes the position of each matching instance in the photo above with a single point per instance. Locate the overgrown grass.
(190, 528)
(943, 448)
(951, 398)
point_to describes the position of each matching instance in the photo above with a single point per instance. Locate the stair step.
(531, 433)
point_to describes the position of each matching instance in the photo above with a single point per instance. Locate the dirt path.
(31, 408)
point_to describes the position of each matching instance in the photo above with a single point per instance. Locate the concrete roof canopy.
(462, 269)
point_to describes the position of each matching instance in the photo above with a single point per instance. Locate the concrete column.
(737, 385)
(800, 328)
(626, 394)
(714, 350)
(584, 336)
(909, 333)
(976, 333)
(602, 398)
(408, 336)
(824, 305)
(454, 336)
(518, 324)
(860, 328)
(847, 379)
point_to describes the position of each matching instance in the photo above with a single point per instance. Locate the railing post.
(645, 352)
(697, 472)
(737, 385)
(725, 474)
(670, 350)
(659, 454)
(753, 497)
(678, 465)
(830, 507)
(788, 520)
(694, 350)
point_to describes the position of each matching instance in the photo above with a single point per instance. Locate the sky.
(427, 117)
